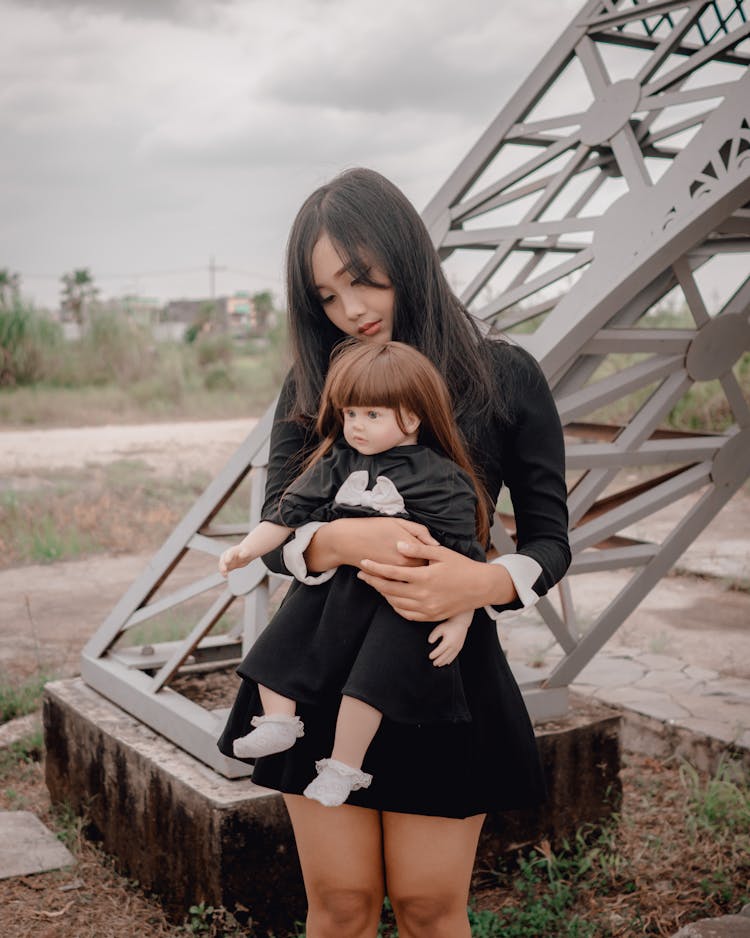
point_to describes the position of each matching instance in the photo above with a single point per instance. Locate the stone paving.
(707, 707)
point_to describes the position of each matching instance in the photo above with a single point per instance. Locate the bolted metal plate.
(610, 112)
(732, 462)
(717, 347)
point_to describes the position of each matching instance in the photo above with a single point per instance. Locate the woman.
(360, 263)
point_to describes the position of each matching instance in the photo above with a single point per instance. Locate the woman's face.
(356, 308)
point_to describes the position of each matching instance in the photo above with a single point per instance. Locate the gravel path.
(204, 444)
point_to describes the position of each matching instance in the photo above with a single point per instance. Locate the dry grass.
(118, 508)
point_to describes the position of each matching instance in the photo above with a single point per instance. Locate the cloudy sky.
(142, 137)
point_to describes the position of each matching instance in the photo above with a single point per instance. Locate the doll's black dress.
(342, 636)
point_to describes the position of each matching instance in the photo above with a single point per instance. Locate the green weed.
(69, 825)
(719, 805)
(212, 921)
(17, 698)
(19, 760)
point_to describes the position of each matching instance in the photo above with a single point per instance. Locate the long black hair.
(362, 212)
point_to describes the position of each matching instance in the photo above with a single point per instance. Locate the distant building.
(145, 310)
(193, 311)
(236, 313)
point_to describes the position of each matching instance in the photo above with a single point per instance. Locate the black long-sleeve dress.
(489, 762)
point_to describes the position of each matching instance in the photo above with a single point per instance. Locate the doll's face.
(372, 430)
(359, 309)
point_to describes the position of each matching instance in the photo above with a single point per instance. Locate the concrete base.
(193, 836)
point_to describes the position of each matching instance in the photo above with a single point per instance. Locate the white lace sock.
(334, 782)
(274, 733)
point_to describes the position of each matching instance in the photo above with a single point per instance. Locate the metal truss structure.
(613, 242)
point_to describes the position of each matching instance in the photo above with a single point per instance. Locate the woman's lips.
(370, 328)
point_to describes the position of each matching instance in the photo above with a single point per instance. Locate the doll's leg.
(338, 776)
(277, 730)
(356, 727)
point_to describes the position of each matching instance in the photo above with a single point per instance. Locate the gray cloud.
(155, 143)
(178, 11)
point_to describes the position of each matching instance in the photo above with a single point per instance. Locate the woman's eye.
(326, 299)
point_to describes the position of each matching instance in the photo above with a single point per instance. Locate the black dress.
(461, 768)
(342, 636)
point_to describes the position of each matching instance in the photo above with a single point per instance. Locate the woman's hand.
(448, 585)
(349, 540)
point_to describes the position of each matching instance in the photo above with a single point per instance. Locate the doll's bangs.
(359, 380)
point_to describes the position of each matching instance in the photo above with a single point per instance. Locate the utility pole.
(212, 268)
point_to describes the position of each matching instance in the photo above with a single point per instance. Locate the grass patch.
(17, 698)
(719, 805)
(120, 507)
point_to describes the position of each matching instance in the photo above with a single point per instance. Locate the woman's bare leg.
(341, 853)
(428, 863)
(275, 703)
(356, 727)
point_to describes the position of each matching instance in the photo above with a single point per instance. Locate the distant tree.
(77, 293)
(10, 286)
(263, 304)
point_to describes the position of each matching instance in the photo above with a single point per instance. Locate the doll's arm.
(265, 537)
(451, 635)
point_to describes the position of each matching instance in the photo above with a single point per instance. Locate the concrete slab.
(651, 703)
(701, 674)
(670, 682)
(193, 836)
(27, 846)
(726, 926)
(606, 671)
(660, 662)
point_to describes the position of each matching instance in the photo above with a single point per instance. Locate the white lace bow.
(383, 497)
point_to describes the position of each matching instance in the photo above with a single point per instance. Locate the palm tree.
(10, 286)
(78, 291)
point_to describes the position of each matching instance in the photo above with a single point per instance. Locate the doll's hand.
(452, 635)
(231, 559)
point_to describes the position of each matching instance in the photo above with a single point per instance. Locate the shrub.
(210, 349)
(29, 342)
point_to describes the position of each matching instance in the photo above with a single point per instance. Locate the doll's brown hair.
(397, 376)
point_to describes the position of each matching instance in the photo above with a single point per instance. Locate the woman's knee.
(345, 911)
(424, 914)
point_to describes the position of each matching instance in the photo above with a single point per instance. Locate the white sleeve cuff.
(524, 571)
(293, 553)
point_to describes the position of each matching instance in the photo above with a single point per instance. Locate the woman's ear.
(411, 421)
